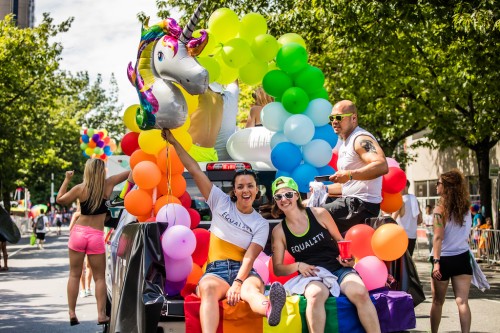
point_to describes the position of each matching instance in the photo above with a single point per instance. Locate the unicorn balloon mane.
(166, 55)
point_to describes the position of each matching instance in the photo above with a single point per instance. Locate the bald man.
(361, 165)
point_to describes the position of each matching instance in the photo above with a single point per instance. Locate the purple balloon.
(100, 144)
(178, 269)
(96, 137)
(178, 242)
(174, 214)
(174, 288)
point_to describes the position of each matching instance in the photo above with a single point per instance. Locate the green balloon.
(292, 58)
(320, 93)
(310, 79)
(224, 24)
(252, 25)
(212, 66)
(295, 100)
(83, 146)
(276, 82)
(265, 47)
(253, 73)
(292, 38)
(90, 132)
(236, 53)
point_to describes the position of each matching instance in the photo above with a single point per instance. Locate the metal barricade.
(485, 244)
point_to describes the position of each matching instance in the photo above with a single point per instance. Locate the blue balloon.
(299, 129)
(280, 173)
(318, 110)
(286, 156)
(326, 133)
(273, 116)
(277, 137)
(303, 175)
(85, 154)
(317, 152)
(85, 138)
(326, 170)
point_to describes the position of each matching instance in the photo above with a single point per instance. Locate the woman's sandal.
(103, 322)
(73, 321)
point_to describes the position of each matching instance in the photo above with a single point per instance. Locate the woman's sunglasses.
(286, 195)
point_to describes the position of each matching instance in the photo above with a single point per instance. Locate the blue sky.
(103, 37)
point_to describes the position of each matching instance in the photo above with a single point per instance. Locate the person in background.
(87, 235)
(361, 165)
(315, 227)
(238, 234)
(4, 254)
(484, 238)
(450, 252)
(428, 221)
(58, 217)
(261, 99)
(42, 228)
(409, 217)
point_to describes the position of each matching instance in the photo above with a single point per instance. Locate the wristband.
(298, 266)
(239, 281)
(350, 175)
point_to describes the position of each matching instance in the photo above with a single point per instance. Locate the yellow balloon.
(129, 118)
(183, 137)
(186, 125)
(227, 74)
(191, 100)
(209, 49)
(151, 141)
(292, 38)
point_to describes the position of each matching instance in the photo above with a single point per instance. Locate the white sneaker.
(88, 292)
(83, 293)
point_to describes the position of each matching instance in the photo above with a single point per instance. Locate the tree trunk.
(483, 163)
(6, 200)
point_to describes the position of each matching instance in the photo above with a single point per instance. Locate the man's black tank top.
(316, 247)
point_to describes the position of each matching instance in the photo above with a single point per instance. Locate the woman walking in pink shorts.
(87, 235)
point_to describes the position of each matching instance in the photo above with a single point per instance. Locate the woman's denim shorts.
(226, 270)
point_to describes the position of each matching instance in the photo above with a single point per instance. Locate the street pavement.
(33, 294)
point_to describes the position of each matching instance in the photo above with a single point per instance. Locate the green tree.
(408, 65)
(42, 109)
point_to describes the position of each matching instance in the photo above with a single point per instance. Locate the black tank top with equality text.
(316, 247)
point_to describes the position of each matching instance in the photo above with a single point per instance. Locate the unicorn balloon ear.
(196, 45)
(191, 26)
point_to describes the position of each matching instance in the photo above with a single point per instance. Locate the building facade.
(23, 10)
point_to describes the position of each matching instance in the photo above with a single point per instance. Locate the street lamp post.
(52, 199)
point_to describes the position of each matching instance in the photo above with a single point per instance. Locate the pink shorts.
(87, 240)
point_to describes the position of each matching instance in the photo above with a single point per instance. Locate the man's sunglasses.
(339, 117)
(286, 195)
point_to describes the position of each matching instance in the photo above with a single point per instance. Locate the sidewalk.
(485, 307)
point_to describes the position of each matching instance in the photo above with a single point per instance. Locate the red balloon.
(360, 236)
(185, 200)
(288, 259)
(333, 161)
(195, 217)
(394, 181)
(130, 143)
(200, 254)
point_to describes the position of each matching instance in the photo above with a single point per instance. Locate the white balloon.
(278, 137)
(299, 129)
(317, 153)
(318, 110)
(273, 116)
(250, 144)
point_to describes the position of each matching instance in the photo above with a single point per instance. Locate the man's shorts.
(226, 270)
(203, 154)
(349, 211)
(454, 265)
(86, 240)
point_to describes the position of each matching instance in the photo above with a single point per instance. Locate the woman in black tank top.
(310, 235)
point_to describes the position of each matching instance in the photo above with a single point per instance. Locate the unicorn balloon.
(166, 55)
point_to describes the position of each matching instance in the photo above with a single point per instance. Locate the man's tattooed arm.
(368, 146)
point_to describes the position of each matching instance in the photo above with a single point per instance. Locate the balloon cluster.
(96, 144)
(393, 183)
(372, 247)
(237, 48)
(303, 142)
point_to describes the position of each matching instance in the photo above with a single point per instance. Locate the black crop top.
(100, 210)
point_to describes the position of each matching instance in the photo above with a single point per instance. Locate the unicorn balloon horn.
(191, 26)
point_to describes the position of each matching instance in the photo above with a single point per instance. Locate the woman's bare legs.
(252, 293)
(461, 286)
(75, 273)
(316, 294)
(438, 296)
(98, 265)
(211, 289)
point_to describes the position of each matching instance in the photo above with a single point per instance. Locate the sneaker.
(277, 299)
(88, 292)
(83, 293)
(116, 201)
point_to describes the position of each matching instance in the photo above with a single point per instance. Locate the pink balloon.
(392, 162)
(178, 242)
(174, 214)
(178, 269)
(373, 272)
(261, 269)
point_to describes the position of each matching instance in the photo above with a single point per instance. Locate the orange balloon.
(195, 275)
(389, 242)
(138, 202)
(391, 202)
(170, 163)
(143, 218)
(146, 175)
(178, 185)
(163, 185)
(91, 144)
(138, 156)
(164, 200)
